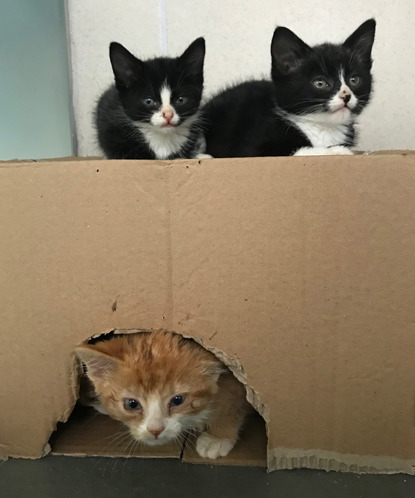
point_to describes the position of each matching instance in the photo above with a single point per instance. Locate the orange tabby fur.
(154, 370)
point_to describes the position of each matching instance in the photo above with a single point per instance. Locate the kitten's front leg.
(212, 446)
(338, 150)
(209, 446)
(200, 149)
(221, 436)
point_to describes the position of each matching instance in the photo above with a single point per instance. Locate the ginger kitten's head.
(158, 384)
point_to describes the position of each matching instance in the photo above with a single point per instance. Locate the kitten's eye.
(177, 400)
(181, 100)
(355, 81)
(321, 83)
(131, 404)
(149, 101)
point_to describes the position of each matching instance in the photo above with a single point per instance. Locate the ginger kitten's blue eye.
(355, 81)
(131, 404)
(177, 400)
(181, 100)
(321, 83)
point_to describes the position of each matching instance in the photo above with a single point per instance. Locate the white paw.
(203, 156)
(339, 150)
(211, 447)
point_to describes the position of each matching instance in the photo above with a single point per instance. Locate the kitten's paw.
(338, 150)
(211, 447)
(203, 156)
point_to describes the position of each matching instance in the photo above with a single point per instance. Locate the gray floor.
(70, 477)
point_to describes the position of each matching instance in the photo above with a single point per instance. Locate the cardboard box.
(298, 272)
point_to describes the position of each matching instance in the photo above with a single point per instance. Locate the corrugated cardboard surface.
(301, 270)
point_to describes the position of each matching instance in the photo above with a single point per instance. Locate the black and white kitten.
(309, 107)
(152, 111)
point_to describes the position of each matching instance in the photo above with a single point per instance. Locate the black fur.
(250, 119)
(137, 82)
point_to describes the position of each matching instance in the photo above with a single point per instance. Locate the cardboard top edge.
(51, 159)
(15, 161)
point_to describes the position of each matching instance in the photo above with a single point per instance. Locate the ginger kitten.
(161, 385)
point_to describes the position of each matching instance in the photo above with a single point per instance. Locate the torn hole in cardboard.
(90, 433)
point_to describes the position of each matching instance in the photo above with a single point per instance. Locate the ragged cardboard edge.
(74, 376)
(238, 371)
(46, 449)
(287, 459)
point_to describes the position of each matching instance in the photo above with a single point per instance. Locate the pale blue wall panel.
(35, 105)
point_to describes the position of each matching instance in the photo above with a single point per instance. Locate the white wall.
(238, 35)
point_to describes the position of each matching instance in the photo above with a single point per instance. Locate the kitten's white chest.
(321, 134)
(164, 143)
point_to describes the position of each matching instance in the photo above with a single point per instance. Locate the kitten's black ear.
(287, 51)
(98, 364)
(193, 57)
(361, 41)
(126, 67)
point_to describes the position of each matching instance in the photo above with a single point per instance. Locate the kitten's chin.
(343, 115)
(167, 128)
(342, 111)
(155, 442)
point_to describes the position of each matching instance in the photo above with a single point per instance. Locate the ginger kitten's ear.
(214, 369)
(99, 365)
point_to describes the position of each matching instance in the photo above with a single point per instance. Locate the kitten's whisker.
(191, 445)
(120, 439)
(122, 431)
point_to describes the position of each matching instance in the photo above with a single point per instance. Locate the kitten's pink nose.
(345, 94)
(168, 115)
(155, 432)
